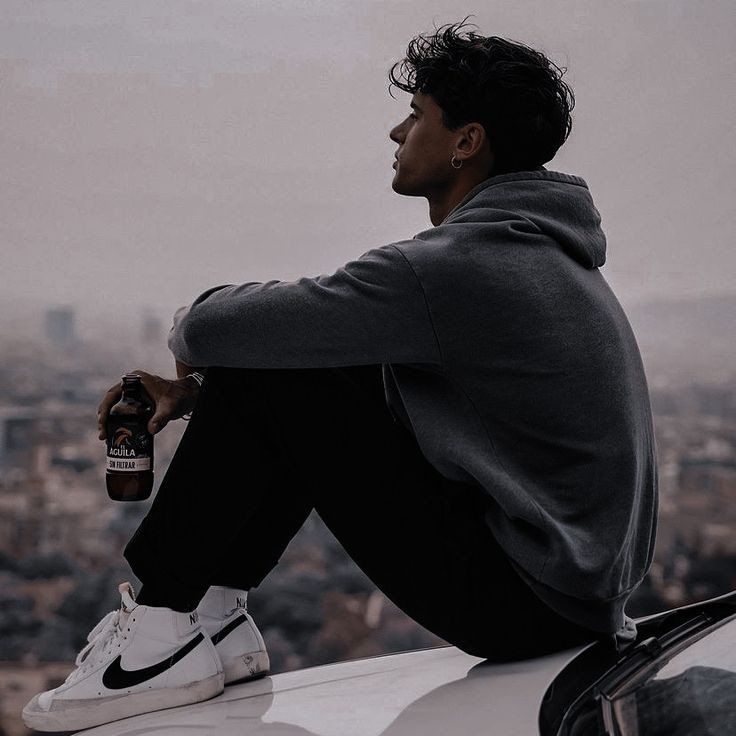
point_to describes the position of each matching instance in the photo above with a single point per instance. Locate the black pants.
(265, 447)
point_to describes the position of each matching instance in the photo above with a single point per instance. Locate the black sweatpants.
(264, 447)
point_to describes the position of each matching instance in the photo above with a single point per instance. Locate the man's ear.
(472, 139)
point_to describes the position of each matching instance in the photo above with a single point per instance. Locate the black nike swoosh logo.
(222, 633)
(116, 678)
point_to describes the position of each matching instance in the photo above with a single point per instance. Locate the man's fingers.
(165, 395)
(156, 425)
(160, 419)
(111, 397)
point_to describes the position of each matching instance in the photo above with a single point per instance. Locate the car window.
(694, 692)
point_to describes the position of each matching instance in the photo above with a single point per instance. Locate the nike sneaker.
(137, 659)
(238, 642)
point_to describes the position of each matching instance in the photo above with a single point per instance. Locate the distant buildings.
(59, 328)
(32, 438)
(19, 429)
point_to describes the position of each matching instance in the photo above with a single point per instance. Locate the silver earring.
(452, 162)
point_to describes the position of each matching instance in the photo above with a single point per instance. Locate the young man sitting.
(466, 410)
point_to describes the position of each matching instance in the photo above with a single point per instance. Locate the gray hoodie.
(506, 353)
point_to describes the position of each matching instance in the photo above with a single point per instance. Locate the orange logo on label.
(122, 435)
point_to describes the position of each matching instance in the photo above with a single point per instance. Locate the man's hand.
(172, 400)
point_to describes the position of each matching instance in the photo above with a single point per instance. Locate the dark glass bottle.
(129, 475)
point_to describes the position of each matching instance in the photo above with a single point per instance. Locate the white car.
(678, 678)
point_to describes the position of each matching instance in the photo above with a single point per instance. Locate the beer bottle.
(129, 475)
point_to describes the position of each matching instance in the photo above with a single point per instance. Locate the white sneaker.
(236, 638)
(138, 659)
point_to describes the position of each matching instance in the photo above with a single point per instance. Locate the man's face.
(425, 148)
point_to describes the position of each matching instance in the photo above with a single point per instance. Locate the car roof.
(440, 690)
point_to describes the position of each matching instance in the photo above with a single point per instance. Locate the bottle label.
(129, 445)
(133, 465)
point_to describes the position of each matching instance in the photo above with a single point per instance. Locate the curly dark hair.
(514, 92)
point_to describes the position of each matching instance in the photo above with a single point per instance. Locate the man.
(466, 410)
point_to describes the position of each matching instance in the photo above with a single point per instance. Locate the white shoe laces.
(99, 641)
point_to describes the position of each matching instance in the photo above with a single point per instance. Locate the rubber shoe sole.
(73, 715)
(246, 667)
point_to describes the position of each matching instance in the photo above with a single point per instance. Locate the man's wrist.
(197, 378)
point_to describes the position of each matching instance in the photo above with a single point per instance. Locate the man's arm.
(372, 310)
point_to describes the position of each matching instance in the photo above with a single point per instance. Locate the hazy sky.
(151, 150)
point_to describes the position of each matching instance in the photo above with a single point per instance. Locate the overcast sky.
(151, 150)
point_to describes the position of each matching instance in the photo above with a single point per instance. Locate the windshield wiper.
(648, 651)
(636, 664)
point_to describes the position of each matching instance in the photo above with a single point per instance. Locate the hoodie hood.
(559, 205)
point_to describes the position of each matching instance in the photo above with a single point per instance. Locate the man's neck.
(442, 203)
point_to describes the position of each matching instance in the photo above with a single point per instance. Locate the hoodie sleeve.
(371, 310)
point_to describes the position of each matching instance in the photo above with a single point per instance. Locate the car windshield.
(694, 692)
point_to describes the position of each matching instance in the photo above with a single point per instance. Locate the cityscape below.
(61, 537)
